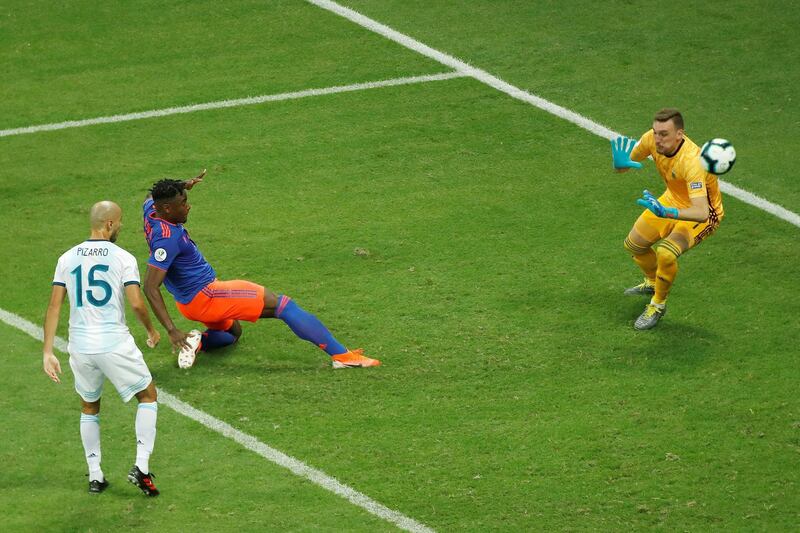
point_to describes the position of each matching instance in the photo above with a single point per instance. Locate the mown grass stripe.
(230, 103)
(297, 467)
(537, 101)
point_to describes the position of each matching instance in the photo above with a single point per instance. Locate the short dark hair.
(166, 189)
(670, 113)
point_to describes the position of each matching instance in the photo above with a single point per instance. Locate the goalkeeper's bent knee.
(634, 248)
(667, 252)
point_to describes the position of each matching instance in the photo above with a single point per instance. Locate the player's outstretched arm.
(188, 184)
(49, 360)
(153, 279)
(621, 149)
(134, 296)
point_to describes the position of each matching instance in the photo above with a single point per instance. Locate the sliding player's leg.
(218, 306)
(219, 335)
(309, 328)
(222, 303)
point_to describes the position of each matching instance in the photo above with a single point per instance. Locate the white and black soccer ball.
(717, 156)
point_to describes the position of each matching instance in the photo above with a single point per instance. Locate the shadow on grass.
(677, 343)
(232, 362)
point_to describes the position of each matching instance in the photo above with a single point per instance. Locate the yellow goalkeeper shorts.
(654, 228)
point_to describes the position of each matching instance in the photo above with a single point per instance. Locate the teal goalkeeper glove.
(651, 202)
(621, 149)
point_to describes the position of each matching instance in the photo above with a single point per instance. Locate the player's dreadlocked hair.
(166, 189)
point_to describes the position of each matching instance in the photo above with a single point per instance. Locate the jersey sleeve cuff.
(131, 283)
(156, 266)
(59, 283)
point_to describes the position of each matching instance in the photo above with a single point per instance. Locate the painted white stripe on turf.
(463, 67)
(231, 103)
(30, 328)
(297, 467)
(750, 198)
(519, 94)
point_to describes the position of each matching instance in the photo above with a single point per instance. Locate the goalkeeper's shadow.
(675, 343)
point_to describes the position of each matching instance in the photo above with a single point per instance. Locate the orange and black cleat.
(353, 359)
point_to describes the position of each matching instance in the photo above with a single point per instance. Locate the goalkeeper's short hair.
(670, 113)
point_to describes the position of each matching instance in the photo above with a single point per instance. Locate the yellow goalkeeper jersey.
(683, 174)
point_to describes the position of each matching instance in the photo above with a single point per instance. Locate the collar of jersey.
(678, 149)
(154, 217)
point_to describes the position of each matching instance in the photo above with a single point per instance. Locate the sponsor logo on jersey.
(160, 254)
(696, 185)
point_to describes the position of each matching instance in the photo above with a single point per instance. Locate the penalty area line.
(297, 467)
(536, 101)
(239, 102)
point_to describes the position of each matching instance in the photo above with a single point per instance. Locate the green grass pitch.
(514, 395)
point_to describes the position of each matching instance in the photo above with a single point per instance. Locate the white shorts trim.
(124, 367)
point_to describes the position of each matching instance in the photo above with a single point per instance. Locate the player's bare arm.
(188, 184)
(699, 211)
(49, 361)
(153, 279)
(134, 296)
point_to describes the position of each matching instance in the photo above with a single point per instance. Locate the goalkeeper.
(686, 213)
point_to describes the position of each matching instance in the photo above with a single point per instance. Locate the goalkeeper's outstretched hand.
(621, 149)
(651, 202)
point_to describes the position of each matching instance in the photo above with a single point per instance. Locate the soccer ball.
(717, 156)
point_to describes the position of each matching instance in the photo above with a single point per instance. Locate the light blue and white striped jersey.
(95, 274)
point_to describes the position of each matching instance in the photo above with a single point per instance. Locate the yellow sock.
(645, 258)
(667, 258)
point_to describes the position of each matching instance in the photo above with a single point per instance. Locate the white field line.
(297, 467)
(519, 94)
(231, 103)
(762, 203)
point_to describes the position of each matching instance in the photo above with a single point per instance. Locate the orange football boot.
(353, 359)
